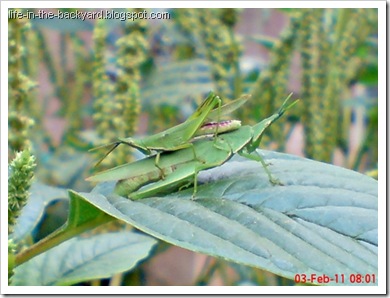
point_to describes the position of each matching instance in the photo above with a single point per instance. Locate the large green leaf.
(79, 259)
(322, 220)
(40, 197)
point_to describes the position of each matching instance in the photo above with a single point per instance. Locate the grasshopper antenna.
(116, 144)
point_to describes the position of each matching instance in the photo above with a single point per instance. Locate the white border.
(381, 289)
(194, 4)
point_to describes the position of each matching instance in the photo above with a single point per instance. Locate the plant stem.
(62, 234)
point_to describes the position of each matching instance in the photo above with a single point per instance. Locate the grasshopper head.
(130, 142)
(138, 144)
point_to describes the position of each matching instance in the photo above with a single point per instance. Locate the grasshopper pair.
(182, 166)
(180, 136)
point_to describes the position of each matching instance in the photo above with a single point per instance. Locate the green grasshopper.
(179, 136)
(180, 167)
(144, 171)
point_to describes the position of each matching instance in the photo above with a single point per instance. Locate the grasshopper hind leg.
(257, 157)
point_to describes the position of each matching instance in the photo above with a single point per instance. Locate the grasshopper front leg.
(156, 163)
(184, 146)
(218, 121)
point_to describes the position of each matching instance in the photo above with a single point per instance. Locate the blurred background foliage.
(77, 84)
